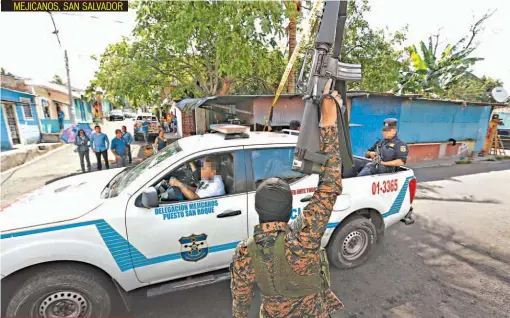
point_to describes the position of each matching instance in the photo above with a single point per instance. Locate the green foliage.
(448, 73)
(4, 72)
(57, 80)
(194, 48)
(121, 74)
(205, 45)
(379, 52)
(474, 89)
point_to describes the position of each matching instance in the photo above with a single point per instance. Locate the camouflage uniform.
(302, 244)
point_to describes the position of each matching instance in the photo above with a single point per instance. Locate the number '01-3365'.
(384, 186)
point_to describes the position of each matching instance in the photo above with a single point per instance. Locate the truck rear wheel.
(61, 291)
(351, 244)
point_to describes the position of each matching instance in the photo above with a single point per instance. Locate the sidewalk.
(451, 161)
(25, 153)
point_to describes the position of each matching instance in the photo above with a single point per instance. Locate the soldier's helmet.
(273, 201)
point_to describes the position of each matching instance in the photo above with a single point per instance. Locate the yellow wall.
(52, 97)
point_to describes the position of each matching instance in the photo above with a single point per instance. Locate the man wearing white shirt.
(211, 184)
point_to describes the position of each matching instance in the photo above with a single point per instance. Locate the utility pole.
(69, 90)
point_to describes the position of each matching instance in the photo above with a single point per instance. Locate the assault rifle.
(324, 65)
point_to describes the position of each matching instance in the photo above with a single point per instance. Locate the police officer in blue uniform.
(387, 153)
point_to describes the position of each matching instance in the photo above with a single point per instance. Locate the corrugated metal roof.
(354, 94)
(192, 103)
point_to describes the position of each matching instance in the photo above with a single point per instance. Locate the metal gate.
(11, 122)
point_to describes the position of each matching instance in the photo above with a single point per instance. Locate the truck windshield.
(125, 178)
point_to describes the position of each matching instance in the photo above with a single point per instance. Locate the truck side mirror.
(150, 198)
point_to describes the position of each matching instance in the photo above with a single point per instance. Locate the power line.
(66, 60)
(91, 17)
(56, 31)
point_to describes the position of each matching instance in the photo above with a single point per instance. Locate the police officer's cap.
(390, 123)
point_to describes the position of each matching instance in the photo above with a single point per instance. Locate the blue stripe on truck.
(129, 257)
(397, 204)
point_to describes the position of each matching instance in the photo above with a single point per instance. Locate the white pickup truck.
(63, 244)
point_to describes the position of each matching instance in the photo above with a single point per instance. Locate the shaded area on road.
(419, 271)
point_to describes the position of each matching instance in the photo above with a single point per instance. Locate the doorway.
(12, 123)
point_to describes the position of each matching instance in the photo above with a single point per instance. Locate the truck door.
(266, 162)
(181, 238)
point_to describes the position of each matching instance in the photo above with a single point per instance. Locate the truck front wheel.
(351, 244)
(61, 291)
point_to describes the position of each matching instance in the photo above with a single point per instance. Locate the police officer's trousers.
(370, 169)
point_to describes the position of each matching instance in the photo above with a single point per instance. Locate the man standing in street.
(99, 144)
(388, 153)
(119, 149)
(61, 115)
(145, 130)
(128, 139)
(286, 260)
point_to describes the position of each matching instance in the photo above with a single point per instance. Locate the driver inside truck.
(211, 183)
(387, 153)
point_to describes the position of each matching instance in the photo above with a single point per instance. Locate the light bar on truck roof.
(231, 131)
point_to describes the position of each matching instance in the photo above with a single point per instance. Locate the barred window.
(26, 103)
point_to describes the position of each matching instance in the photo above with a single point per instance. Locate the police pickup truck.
(72, 247)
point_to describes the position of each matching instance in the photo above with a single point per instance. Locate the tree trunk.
(296, 7)
(225, 88)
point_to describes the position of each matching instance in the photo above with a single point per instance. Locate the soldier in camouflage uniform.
(287, 260)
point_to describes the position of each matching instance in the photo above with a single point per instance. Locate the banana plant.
(433, 73)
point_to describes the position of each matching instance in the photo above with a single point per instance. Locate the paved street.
(453, 262)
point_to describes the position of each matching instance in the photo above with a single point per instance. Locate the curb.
(432, 166)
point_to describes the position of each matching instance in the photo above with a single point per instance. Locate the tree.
(293, 12)
(207, 46)
(121, 75)
(434, 74)
(57, 80)
(4, 72)
(471, 88)
(378, 51)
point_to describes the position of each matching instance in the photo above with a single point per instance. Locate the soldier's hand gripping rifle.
(307, 156)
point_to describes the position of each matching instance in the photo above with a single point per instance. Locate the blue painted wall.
(424, 121)
(88, 111)
(419, 121)
(4, 137)
(51, 126)
(28, 127)
(370, 114)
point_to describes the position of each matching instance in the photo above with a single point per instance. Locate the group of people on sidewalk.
(120, 146)
(99, 143)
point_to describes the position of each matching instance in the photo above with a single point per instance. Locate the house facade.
(49, 97)
(19, 117)
(433, 129)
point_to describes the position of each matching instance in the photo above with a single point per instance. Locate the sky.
(29, 49)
